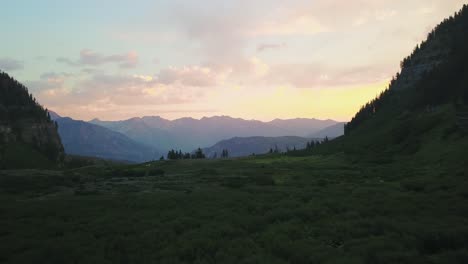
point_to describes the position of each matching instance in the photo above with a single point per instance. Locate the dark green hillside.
(28, 137)
(270, 209)
(435, 74)
(17, 103)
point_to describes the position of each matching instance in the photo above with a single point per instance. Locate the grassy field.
(267, 209)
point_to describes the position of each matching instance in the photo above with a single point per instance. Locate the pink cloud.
(91, 58)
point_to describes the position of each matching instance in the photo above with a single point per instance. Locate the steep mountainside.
(85, 139)
(188, 133)
(435, 74)
(422, 115)
(241, 147)
(28, 137)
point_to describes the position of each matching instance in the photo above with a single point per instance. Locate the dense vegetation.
(178, 155)
(336, 208)
(17, 103)
(28, 136)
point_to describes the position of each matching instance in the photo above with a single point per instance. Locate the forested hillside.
(28, 137)
(435, 73)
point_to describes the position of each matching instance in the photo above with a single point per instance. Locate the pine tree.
(199, 154)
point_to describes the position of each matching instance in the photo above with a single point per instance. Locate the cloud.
(8, 64)
(258, 67)
(300, 25)
(90, 71)
(50, 82)
(264, 47)
(67, 61)
(221, 31)
(195, 76)
(320, 76)
(55, 75)
(178, 86)
(138, 90)
(91, 58)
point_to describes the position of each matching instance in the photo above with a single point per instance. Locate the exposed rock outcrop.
(24, 121)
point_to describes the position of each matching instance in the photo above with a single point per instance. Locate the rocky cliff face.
(426, 57)
(24, 121)
(42, 136)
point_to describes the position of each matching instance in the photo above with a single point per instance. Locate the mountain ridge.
(245, 146)
(86, 139)
(189, 133)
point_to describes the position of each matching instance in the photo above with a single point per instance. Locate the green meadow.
(317, 208)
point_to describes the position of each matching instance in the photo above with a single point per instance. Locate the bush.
(155, 172)
(234, 182)
(413, 185)
(264, 180)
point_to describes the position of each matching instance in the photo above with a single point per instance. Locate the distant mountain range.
(245, 146)
(332, 131)
(188, 133)
(86, 139)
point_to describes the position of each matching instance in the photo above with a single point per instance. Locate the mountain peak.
(54, 115)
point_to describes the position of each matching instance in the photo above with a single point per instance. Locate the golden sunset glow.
(253, 60)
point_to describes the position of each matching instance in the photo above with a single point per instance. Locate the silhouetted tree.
(225, 154)
(199, 154)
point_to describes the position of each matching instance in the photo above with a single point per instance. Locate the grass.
(358, 199)
(20, 155)
(315, 209)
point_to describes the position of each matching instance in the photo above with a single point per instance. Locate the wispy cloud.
(91, 58)
(265, 46)
(195, 76)
(8, 64)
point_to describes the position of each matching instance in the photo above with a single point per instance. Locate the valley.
(276, 209)
(389, 186)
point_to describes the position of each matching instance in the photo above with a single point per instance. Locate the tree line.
(17, 103)
(310, 145)
(198, 154)
(179, 155)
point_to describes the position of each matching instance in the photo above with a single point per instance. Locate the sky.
(262, 59)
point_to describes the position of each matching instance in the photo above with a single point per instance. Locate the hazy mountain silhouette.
(86, 139)
(332, 131)
(245, 146)
(188, 133)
